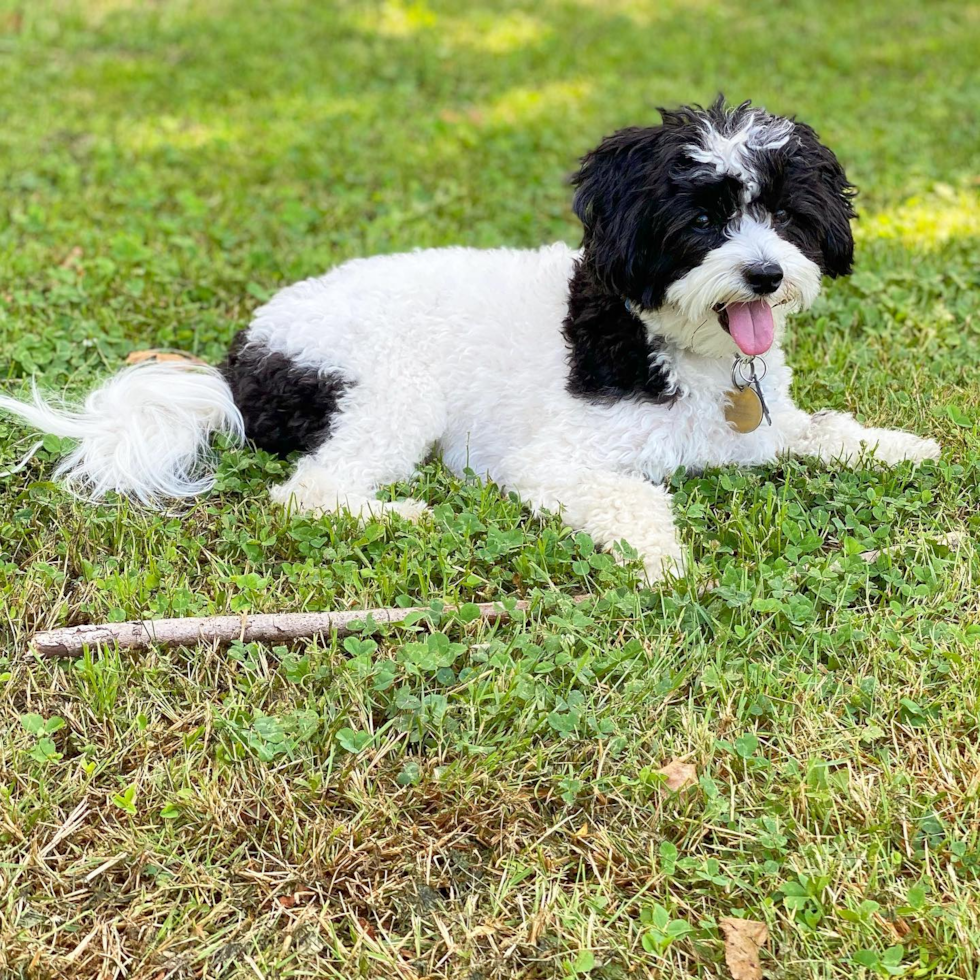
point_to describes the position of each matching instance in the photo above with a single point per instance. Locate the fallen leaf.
(297, 898)
(71, 258)
(679, 775)
(452, 116)
(13, 22)
(743, 940)
(138, 356)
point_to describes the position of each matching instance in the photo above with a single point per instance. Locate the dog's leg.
(610, 507)
(379, 436)
(838, 436)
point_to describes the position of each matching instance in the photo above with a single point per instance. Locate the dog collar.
(746, 406)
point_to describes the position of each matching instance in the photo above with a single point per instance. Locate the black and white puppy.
(579, 379)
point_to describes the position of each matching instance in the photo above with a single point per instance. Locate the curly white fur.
(145, 434)
(462, 350)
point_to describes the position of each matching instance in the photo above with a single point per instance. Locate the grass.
(448, 799)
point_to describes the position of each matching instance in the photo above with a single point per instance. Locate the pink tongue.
(751, 327)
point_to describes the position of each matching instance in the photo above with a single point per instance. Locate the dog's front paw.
(312, 492)
(657, 569)
(836, 436)
(894, 446)
(657, 559)
(408, 508)
(664, 560)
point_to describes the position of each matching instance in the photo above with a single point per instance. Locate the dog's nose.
(764, 279)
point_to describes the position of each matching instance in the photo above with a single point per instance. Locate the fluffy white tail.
(144, 434)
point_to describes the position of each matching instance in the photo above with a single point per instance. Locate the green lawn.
(448, 799)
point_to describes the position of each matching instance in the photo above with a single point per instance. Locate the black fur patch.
(285, 407)
(651, 212)
(808, 183)
(609, 352)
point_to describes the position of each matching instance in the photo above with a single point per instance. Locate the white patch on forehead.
(732, 153)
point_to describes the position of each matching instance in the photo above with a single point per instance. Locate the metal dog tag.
(746, 406)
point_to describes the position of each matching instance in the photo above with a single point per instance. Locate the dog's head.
(716, 223)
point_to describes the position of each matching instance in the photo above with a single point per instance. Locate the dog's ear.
(599, 182)
(617, 190)
(826, 195)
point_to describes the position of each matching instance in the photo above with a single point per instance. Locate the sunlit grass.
(397, 18)
(926, 222)
(493, 32)
(527, 105)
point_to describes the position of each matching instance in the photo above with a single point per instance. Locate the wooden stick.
(71, 641)
(266, 628)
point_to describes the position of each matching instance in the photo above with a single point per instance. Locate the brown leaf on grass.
(743, 940)
(138, 356)
(297, 898)
(454, 116)
(72, 257)
(679, 775)
(12, 23)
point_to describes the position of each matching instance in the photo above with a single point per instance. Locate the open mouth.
(749, 324)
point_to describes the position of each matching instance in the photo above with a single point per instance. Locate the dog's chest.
(695, 431)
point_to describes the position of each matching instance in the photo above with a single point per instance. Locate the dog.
(579, 379)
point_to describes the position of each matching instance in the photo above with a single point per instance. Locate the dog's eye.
(702, 221)
(781, 215)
